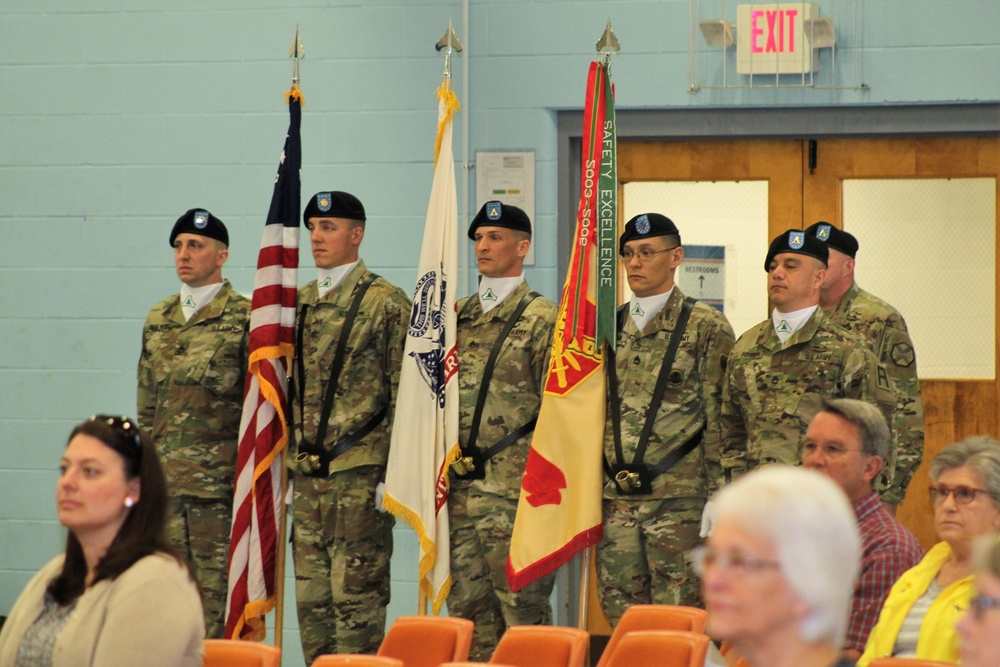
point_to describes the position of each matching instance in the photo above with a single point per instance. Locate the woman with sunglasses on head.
(118, 595)
(778, 569)
(919, 615)
(980, 627)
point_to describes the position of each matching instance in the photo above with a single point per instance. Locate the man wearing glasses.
(847, 441)
(662, 441)
(190, 399)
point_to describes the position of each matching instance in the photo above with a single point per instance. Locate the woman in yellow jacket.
(919, 615)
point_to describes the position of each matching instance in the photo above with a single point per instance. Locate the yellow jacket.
(938, 639)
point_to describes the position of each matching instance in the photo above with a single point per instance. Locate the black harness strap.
(335, 368)
(654, 405)
(484, 386)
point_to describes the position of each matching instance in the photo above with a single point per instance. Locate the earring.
(129, 502)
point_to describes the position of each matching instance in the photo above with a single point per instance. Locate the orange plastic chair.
(660, 648)
(236, 653)
(427, 641)
(354, 660)
(655, 617)
(908, 662)
(542, 646)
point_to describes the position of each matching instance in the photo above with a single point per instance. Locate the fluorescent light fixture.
(718, 33)
(819, 31)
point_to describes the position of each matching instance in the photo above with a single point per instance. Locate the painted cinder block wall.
(118, 115)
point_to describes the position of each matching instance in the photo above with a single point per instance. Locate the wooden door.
(953, 409)
(798, 196)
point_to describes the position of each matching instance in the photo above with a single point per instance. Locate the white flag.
(425, 428)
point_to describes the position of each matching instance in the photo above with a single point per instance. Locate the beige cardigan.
(150, 615)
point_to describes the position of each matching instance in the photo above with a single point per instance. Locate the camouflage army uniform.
(342, 544)
(481, 512)
(773, 391)
(641, 559)
(884, 331)
(190, 399)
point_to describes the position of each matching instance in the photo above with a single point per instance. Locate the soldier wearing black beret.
(486, 481)
(190, 397)
(343, 403)
(884, 331)
(662, 454)
(781, 368)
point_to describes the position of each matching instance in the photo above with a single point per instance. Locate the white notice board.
(508, 177)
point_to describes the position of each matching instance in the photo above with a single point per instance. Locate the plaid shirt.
(887, 550)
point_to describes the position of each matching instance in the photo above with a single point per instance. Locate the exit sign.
(771, 39)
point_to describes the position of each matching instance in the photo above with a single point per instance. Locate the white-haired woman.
(919, 615)
(778, 569)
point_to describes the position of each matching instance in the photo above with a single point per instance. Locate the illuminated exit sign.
(771, 39)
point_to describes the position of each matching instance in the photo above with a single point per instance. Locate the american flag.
(257, 516)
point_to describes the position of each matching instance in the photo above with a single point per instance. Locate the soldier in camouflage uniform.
(883, 330)
(650, 524)
(482, 503)
(190, 399)
(341, 537)
(783, 368)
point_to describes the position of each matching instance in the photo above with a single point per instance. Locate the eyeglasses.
(704, 558)
(125, 426)
(644, 255)
(982, 604)
(828, 451)
(963, 495)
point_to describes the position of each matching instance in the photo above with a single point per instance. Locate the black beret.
(835, 238)
(797, 242)
(201, 222)
(334, 205)
(646, 226)
(498, 214)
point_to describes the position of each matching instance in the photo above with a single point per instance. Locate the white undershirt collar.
(193, 298)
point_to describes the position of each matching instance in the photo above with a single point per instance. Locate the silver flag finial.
(608, 44)
(449, 42)
(295, 52)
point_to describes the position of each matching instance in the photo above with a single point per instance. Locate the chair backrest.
(908, 662)
(542, 646)
(660, 648)
(427, 641)
(354, 660)
(236, 653)
(655, 617)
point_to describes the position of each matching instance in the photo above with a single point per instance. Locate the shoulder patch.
(902, 354)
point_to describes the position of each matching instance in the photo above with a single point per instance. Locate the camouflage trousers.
(644, 557)
(480, 525)
(199, 528)
(341, 546)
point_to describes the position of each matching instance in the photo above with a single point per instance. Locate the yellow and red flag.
(559, 511)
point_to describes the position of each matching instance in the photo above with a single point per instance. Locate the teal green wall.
(118, 115)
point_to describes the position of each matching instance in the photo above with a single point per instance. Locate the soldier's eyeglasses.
(982, 604)
(963, 495)
(704, 558)
(644, 255)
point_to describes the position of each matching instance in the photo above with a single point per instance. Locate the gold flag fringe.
(451, 105)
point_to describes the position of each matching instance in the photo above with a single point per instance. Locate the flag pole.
(295, 52)
(606, 46)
